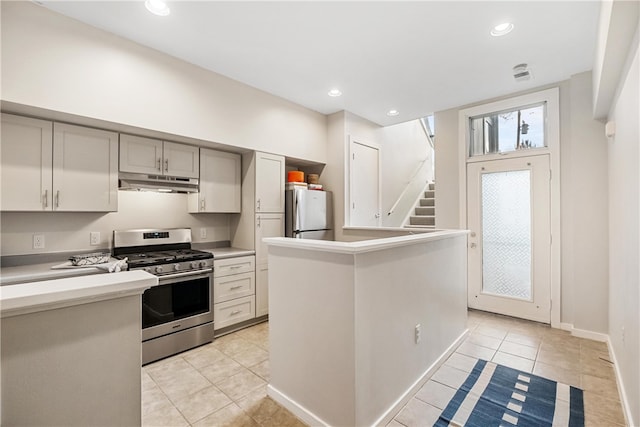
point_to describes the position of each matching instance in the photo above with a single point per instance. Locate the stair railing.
(427, 131)
(418, 169)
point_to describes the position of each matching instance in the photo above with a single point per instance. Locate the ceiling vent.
(521, 73)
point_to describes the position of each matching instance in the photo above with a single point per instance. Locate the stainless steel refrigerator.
(308, 214)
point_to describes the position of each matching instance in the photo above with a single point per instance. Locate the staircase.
(425, 211)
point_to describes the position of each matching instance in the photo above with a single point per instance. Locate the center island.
(357, 327)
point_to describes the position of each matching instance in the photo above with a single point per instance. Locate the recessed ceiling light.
(334, 92)
(393, 113)
(157, 7)
(502, 29)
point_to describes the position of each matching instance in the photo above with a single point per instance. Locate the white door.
(364, 192)
(508, 214)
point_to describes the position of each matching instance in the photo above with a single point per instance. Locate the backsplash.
(70, 231)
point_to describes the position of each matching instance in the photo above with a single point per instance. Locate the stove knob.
(194, 264)
(159, 269)
(176, 267)
(203, 264)
(147, 269)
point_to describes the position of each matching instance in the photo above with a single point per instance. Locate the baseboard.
(312, 419)
(294, 407)
(626, 410)
(583, 333)
(566, 326)
(408, 394)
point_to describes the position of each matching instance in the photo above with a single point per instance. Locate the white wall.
(624, 235)
(70, 231)
(53, 62)
(584, 215)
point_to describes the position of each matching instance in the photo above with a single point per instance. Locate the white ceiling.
(415, 57)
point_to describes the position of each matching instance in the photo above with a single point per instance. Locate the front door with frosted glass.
(508, 208)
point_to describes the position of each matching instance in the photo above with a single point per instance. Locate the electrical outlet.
(94, 238)
(418, 332)
(38, 241)
(203, 233)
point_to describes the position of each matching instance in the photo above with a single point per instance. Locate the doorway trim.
(551, 97)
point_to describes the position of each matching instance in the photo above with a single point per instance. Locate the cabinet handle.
(258, 205)
(58, 199)
(234, 312)
(235, 267)
(159, 161)
(202, 204)
(166, 165)
(258, 222)
(234, 288)
(46, 198)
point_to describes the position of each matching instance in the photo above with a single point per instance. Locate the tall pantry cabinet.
(262, 215)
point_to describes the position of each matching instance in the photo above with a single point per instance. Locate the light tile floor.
(224, 383)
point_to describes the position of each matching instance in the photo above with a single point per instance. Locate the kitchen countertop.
(222, 253)
(35, 272)
(52, 294)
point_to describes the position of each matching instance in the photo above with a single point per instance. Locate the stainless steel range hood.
(157, 183)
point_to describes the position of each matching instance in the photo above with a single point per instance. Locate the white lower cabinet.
(234, 286)
(267, 225)
(235, 311)
(262, 290)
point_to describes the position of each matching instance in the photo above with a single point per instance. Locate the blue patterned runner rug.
(495, 395)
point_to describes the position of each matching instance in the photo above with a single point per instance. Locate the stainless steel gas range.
(177, 314)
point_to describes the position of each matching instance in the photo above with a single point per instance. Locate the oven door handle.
(191, 274)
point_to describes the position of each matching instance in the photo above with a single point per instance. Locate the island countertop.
(405, 237)
(50, 294)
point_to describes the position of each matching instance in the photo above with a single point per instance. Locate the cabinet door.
(267, 225)
(140, 155)
(235, 311)
(220, 182)
(181, 160)
(262, 290)
(269, 183)
(26, 163)
(85, 169)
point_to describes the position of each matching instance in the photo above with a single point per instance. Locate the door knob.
(473, 234)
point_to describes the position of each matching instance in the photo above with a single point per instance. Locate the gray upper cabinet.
(27, 163)
(154, 157)
(220, 183)
(57, 167)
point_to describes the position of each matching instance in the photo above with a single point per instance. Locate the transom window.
(506, 131)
